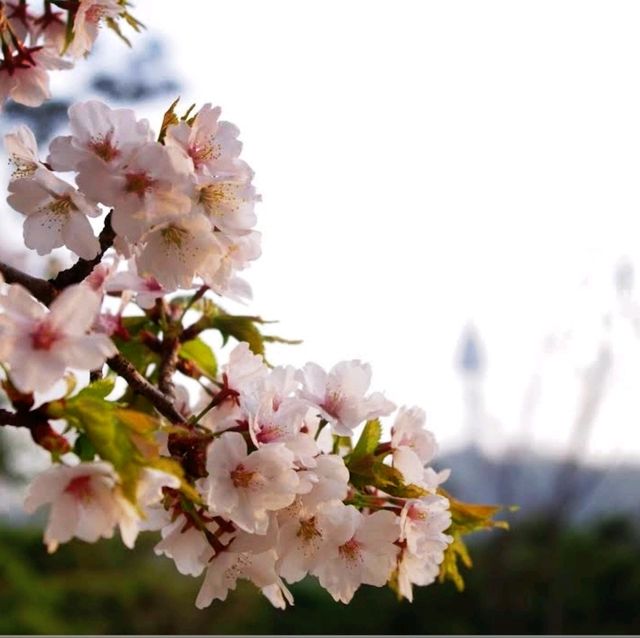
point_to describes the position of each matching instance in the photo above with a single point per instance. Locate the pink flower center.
(138, 183)
(201, 153)
(43, 336)
(416, 514)
(268, 433)
(308, 530)
(80, 488)
(94, 13)
(104, 147)
(151, 284)
(333, 403)
(241, 477)
(350, 551)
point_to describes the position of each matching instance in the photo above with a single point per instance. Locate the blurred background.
(450, 193)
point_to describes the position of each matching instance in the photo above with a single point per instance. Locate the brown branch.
(186, 366)
(41, 289)
(38, 425)
(46, 291)
(83, 267)
(139, 384)
(168, 363)
(13, 418)
(195, 329)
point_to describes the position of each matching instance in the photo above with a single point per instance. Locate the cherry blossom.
(186, 545)
(133, 518)
(39, 344)
(98, 133)
(211, 146)
(244, 487)
(224, 571)
(175, 252)
(244, 369)
(228, 204)
(86, 22)
(284, 425)
(56, 214)
(83, 502)
(149, 189)
(302, 529)
(413, 446)
(340, 395)
(358, 549)
(24, 77)
(146, 288)
(22, 148)
(235, 254)
(423, 523)
(20, 19)
(331, 482)
(230, 462)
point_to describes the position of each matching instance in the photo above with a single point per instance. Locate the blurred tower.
(471, 365)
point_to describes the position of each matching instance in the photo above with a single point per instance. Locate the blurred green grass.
(535, 579)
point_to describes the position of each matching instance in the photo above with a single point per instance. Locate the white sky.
(427, 164)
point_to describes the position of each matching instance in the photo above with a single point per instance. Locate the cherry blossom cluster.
(180, 209)
(274, 497)
(266, 483)
(38, 37)
(247, 471)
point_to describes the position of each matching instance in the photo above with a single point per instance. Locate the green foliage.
(241, 328)
(368, 441)
(122, 436)
(538, 580)
(367, 467)
(198, 352)
(466, 518)
(133, 347)
(169, 119)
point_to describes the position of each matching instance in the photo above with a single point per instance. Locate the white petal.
(78, 236)
(74, 309)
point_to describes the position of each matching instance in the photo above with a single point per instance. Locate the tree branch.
(12, 418)
(168, 363)
(83, 267)
(139, 384)
(46, 291)
(41, 289)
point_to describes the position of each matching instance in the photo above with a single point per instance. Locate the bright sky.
(428, 164)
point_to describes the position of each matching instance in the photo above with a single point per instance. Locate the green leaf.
(466, 518)
(241, 328)
(471, 517)
(84, 449)
(368, 441)
(119, 435)
(201, 354)
(449, 568)
(133, 348)
(115, 27)
(391, 481)
(368, 469)
(168, 119)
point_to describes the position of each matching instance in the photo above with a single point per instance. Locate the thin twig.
(41, 289)
(168, 363)
(12, 418)
(46, 291)
(83, 267)
(139, 384)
